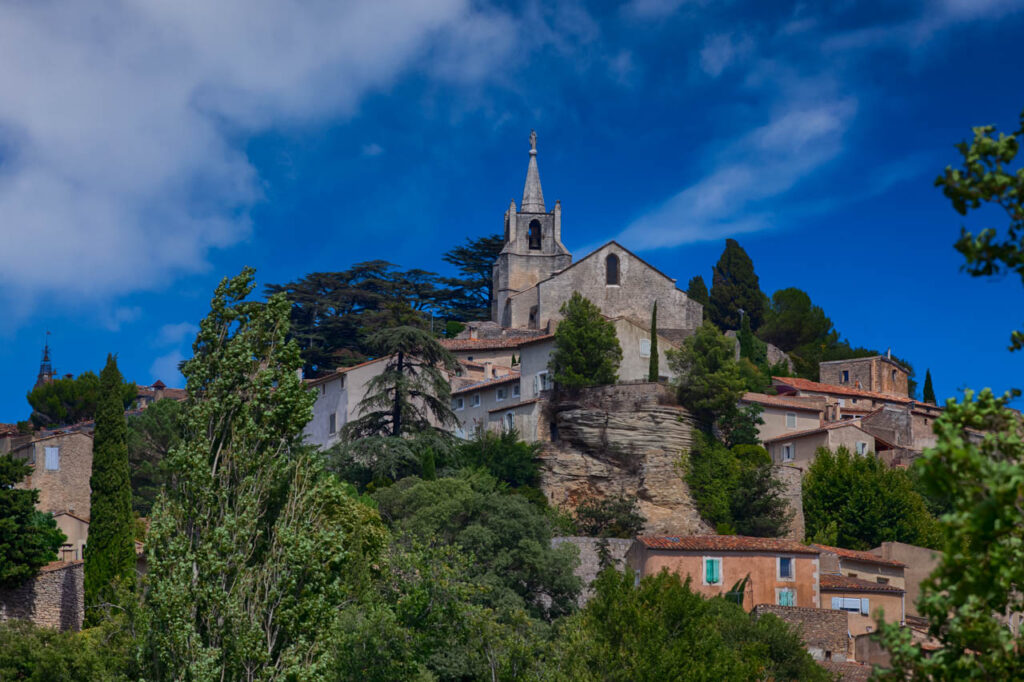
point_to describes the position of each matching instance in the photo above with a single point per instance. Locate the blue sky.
(147, 150)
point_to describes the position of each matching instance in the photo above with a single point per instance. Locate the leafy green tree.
(978, 464)
(38, 654)
(504, 456)
(252, 546)
(751, 347)
(412, 394)
(792, 322)
(869, 502)
(375, 461)
(110, 554)
(587, 351)
(735, 287)
(29, 539)
(68, 401)
(151, 435)
(985, 178)
(472, 291)
(662, 630)
(617, 516)
(509, 537)
(653, 370)
(698, 291)
(928, 394)
(709, 382)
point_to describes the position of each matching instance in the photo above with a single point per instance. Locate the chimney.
(473, 333)
(488, 369)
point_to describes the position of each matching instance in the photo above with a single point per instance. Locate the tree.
(587, 351)
(110, 554)
(617, 516)
(986, 178)
(709, 382)
(252, 544)
(792, 322)
(412, 394)
(29, 539)
(751, 347)
(504, 456)
(697, 291)
(152, 434)
(869, 502)
(928, 395)
(978, 464)
(734, 286)
(652, 372)
(68, 401)
(30, 653)
(473, 294)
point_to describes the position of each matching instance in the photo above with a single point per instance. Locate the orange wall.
(891, 604)
(762, 568)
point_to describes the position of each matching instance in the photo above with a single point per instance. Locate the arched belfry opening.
(534, 235)
(611, 269)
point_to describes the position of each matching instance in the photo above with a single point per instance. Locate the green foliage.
(928, 394)
(869, 502)
(664, 631)
(252, 546)
(68, 401)
(735, 489)
(739, 426)
(471, 293)
(503, 455)
(793, 323)
(378, 461)
(977, 464)
(508, 536)
(110, 554)
(698, 291)
(751, 347)
(35, 654)
(735, 287)
(709, 384)
(986, 179)
(617, 516)
(29, 539)
(587, 351)
(653, 369)
(412, 394)
(151, 435)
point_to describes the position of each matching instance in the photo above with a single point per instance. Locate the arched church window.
(611, 264)
(534, 234)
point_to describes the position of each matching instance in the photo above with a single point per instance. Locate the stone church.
(535, 274)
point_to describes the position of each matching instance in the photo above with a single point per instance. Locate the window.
(515, 390)
(475, 400)
(842, 402)
(502, 394)
(712, 571)
(785, 596)
(851, 604)
(645, 348)
(882, 581)
(458, 403)
(332, 423)
(611, 268)
(460, 432)
(786, 568)
(52, 459)
(787, 452)
(894, 376)
(845, 376)
(791, 420)
(510, 421)
(541, 382)
(534, 235)
(862, 447)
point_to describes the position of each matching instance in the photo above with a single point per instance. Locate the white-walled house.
(337, 400)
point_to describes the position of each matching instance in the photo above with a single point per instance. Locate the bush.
(611, 517)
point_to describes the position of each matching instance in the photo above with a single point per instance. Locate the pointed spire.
(46, 373)
(533, 196)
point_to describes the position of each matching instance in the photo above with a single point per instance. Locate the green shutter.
(711, 571)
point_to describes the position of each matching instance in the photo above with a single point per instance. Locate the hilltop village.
(627, 439)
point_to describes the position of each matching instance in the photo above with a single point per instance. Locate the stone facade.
(61, 469)
(590, 559)
(800, 449)
(824, 631)
(623, 440)
(792, 491)
(55, 598)
(920, 562)
(878, 374)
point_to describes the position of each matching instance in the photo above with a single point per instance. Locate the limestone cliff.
(623, 440)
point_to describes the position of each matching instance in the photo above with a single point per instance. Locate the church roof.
(533, 195)
(595, 251)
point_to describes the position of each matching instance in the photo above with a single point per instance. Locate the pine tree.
(110, 552)
(652, 373)
(734, 285)
(697, 290)
(29, 539)
(929, 392)
(587, 351)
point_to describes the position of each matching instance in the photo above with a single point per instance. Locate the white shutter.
(536, 384)
(52, 459)
(864, 608)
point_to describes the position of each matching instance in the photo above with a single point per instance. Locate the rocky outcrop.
(623, 440)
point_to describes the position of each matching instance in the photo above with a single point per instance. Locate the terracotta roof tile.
(725, 543)
(843, 583)
(825, 427)
(797, 403)
(808, 385)
(487, 383)
(506, 408)
(487, 344)
(855, 555)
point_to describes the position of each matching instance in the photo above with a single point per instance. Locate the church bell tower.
(533, 249)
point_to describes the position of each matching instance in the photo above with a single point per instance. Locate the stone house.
(918, 562)
(825, 632)
(61, 468)
(76, 529)
(800, 448)
(337, 400)
(783, 572)
(472, 403)
(863, 600)
(876, 374)
(635, 341)
(53, 599)
(784, 415)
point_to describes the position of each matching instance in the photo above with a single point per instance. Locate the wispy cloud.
(372, 149)
(165, 368)
(174, 334)
(722, 50)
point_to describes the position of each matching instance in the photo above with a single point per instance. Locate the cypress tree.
(110, 552)
(734, 285)
(587, 351)
(929, 391)
(697, 290)
(652, 373)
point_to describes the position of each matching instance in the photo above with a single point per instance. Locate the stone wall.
(65, 488)
(623, 440)
(590, 559)
(792, 481)
(55, 598)
(825, 632)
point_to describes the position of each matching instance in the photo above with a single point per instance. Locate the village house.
(783, 415)
(61, 467)
(338, 395)
(800, 448)
(863, 584)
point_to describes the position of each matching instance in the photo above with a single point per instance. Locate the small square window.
(882, 581)
(515, 390)
(846, 376)
(475, 400)
(791, 420)
(645, 348)
(458, 403)
(862, 447)
(785, 568)
(785, 596)
(502, 394)
(52, 459)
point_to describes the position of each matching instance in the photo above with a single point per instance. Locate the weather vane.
(533, 140)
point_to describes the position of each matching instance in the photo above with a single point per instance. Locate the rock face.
(623, 440)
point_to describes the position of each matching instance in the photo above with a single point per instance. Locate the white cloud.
(113, 319)
(165, 368)
(721, 51)
(653, 9)
(174, 334)
(120, 160)
(372, 149)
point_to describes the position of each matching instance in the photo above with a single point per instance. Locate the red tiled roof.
(725, 543)
(58, 565)
(826, 427)
(486, 344)
(808, 385)
(855, 555)
(506, 408)
(797, 403)
(842, 583)
(487, 383)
